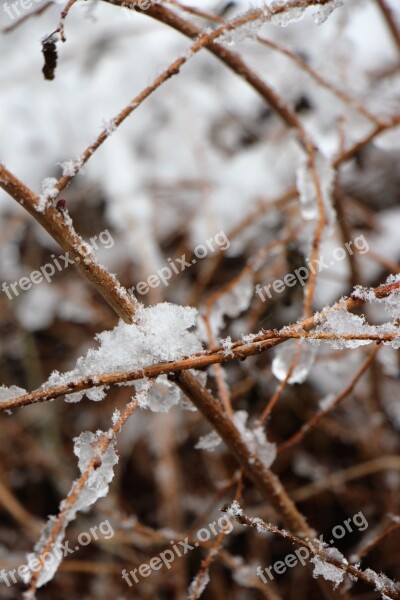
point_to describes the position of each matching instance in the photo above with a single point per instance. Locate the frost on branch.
(95, 487)
(234, 510)
(338, 321)
(198, 585)
(277, 12)
(161, 334)
(7, 393)
(49, 192)
(327, 570)
(383, 583)
(391, 303)
(322, 13)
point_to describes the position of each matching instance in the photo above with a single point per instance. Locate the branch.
(265, 481)
(59, 225)
(390, 591)
(240, 350)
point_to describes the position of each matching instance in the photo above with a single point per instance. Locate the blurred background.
(203, 154)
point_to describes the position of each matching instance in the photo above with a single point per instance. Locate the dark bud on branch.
(49, 49)
(61, 205)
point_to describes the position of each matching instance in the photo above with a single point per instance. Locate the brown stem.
(266, 482)
(59, 225)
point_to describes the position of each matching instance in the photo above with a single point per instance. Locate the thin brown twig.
(79, 484)
(314, 421)
(35, 13)
(339, 478)
(315, 550)
(323, 82)
(390, 21)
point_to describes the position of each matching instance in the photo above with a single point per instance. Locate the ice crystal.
(286, 354)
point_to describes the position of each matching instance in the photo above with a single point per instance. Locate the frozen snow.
(255, 439)
(327, 571)
(209, 442)
(8, 393)
(382, 582)
(198, 584)
(49, 191)
(234, 510)
(161, 334)
(284, 356)
(95, 487)
(339, 321)
(322, 13)
(227, 345)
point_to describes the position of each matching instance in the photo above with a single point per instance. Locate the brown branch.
(261, 526)
(390, 22)
(314, 421)
(265, 481)
(22, 20)
(335, 480)
(240, 350)
(59, 225)
(79, 484)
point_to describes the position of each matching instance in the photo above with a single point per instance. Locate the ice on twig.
(322, 13)
(94, 487)
(255, 439)
(71, 167)
(8, 393)
(198, 584)
(208, 442)
(234, 510)
(277, 12)
(391, 303)
(49, 192)
(161, 334)
(340, 322)
(227, 346)
(382, 582)
(327, 571)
